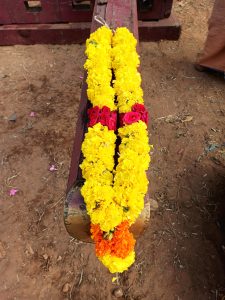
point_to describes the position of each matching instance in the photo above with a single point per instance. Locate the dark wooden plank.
(76, 220)
(158, 10)
(74, 174)
(19, 14)
(51, 11)
(68, 13)
(27, 34)
(166, 29)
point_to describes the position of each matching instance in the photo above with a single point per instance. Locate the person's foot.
(199, 68)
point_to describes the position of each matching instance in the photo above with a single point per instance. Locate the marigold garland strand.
(114, 197)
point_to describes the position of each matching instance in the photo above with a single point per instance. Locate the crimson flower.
(131, 117)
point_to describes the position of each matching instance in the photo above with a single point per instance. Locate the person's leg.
(213, 55)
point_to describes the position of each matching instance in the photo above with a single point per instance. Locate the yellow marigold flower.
(124, 36)
(130, 179)
(125, 58)
(116, 264)
(108, 215)
(98, 66)
(101, 35)
(125, 62)
(96, 195)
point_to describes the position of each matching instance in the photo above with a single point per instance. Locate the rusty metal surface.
(116, 13)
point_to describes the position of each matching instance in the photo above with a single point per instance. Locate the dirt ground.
(180, 256)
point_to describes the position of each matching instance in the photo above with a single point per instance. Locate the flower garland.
(114, 197)
(99, 144)
(99, 68)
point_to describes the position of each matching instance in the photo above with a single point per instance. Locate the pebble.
(66, 288)
(2, 76)
(153, 204)
(45, 256)
(12, 117)
(30, 249)
(2, 251)
(118, 292)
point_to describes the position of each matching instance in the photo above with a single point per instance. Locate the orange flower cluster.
(118, 243)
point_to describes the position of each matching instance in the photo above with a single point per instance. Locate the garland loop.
(114, 194)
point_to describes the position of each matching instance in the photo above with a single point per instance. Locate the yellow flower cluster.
(98, 66)
(125, 62)
(130, 180)
(99, 149)
(116, 264)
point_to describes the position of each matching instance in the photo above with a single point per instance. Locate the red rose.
(93, 114)
(121, 119)
(113, 120)
(105, 110)
(104, 115)
(138, 108)
(112, 124)
(144, 117)
(114, 115)
(91, 123)
(131, 117)
(103, 120)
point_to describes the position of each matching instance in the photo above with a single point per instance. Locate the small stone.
(2, 251)
(66, 288)
(59, 258)
(12, 117)
(153, 204)
(50, 269)
(188, 119)
(181, 266)
(45, 256)
(171, 119)
(118, 292)
(30, 250)
(187, 204)
(2, 76)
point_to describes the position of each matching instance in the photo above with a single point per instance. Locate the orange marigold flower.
(118, 243)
